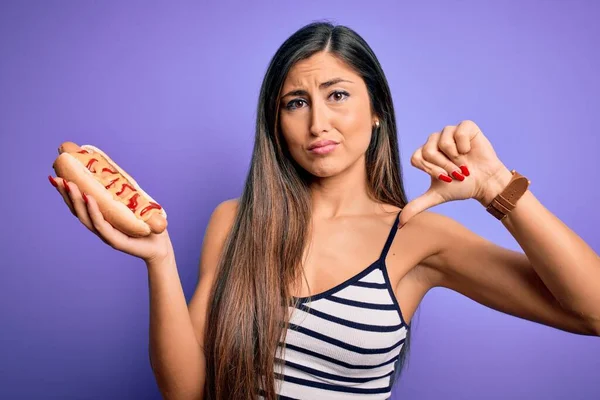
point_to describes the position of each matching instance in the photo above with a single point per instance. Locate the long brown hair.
(262, 255)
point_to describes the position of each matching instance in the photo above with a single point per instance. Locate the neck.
(343, 194)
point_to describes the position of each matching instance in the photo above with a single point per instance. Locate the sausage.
(157, 223)
(68, 147)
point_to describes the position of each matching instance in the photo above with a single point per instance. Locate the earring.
(377, 124)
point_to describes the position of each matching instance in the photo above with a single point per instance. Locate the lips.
(321, 143)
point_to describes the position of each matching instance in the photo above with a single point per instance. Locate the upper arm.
(218, 228)
(496, 277)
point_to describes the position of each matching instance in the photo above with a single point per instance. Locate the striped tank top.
(344, 343)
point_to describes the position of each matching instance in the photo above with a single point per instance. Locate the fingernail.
(465, 170)
(445, 178)
(84, 197)
(52, 181)
(458, 176)
(66, 186)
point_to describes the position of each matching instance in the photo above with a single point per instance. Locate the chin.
(322, 174)
(323, 170)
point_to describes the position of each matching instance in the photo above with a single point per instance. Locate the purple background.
(170, 92)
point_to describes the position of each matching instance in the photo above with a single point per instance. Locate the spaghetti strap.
(390, 238)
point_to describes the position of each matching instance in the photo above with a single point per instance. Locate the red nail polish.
(84, 197)
(66, 186)
(445, 178)
(52, 181)
(458, 176)
(465, 170)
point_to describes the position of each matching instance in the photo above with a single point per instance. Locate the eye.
(290, 105)
(340, 95)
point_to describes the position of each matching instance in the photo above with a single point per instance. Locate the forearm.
(569, 268)
(175, 354)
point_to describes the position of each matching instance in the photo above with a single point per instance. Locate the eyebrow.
(301, 92)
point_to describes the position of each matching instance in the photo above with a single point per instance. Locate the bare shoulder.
(421, 239)
(219, 226)
(442, 234)
(424, 230)
(410, 277)
(429, 225)
(226, 210)
(224, 214)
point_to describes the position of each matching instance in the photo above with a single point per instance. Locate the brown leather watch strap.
(506, 201)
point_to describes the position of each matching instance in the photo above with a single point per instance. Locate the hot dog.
(120, 199)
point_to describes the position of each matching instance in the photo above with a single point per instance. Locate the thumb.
(427, 200)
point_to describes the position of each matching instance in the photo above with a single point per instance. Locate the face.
(325, 100)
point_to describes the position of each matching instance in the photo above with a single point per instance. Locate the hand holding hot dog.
(121, 200)
(115, 208)
(151, 248)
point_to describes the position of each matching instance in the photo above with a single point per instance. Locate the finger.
(70, 197)
(427, 200)
(465, 132)
(106, 231)
(468, 130)
(435, 171)
(80, 207)
(62, 186)
(449, 145)
(432, 154)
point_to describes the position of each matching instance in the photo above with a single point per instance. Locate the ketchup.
(123, 188)
(133, 202)
(111, 183)
(89, 164)
(150, 207)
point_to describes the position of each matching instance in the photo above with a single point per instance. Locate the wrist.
(495, 185)
(160, 262)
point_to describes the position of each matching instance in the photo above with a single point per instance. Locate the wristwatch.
(506, 201)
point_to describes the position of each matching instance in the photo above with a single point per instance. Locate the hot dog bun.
(120, 199)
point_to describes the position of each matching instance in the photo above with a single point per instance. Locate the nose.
(319, 118)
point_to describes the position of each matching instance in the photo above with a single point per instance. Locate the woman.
(309, 269)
